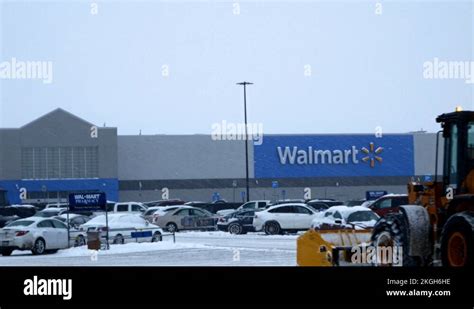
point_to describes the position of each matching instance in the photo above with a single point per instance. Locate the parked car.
(15, 212)
(237, 222)
(287, 201)
(367, 203)
(123, 227)
(285, 217)
(321, 205)
(50, 212)
(195, 203)
(354, 203)
(38, 234)
(75, 221)
(156, 211)
(133, 207)
(57, 205)
(345, 217)
(246, 206)
(164, 203)
(187, 218)
(389, 203)
(215, 207)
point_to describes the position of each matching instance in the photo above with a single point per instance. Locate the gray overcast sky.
(366, 68)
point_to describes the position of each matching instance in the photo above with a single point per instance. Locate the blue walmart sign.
(334, 155)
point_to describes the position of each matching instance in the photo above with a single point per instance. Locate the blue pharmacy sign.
(87, 201)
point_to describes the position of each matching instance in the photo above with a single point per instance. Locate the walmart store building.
(60, 153)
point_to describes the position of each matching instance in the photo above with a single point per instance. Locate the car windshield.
(206, 212)
(46, 214)
(317, 207)
(362, 216)
(150, 212)
(20, 223)
(169, 209)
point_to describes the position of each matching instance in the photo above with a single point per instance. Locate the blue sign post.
(242, 195)
(216, 196)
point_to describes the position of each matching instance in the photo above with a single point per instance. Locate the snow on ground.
(190, 249)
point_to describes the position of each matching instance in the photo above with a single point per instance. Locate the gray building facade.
(60, 153)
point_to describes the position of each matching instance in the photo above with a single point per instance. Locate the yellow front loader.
(330, 247)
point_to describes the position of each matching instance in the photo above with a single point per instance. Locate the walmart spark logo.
(372, 154)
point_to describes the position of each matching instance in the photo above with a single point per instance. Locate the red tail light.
(21, 233)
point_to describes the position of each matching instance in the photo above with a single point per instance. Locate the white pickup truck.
(133, 207)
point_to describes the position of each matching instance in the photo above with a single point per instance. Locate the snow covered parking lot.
(190, 249)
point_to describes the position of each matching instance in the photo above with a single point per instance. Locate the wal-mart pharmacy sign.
(287, 156)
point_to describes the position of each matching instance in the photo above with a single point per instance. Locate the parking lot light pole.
(246, 140)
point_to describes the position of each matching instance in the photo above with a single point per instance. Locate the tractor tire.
(457, 247)
(391, 231)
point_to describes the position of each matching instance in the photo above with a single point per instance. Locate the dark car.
(238, 222)
(388, 204)
(15, 212)
(75, 220)
(215, 207)
(321, 205)
(164, 203)
(354, 203)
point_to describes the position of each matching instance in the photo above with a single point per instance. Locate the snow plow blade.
(329, 247)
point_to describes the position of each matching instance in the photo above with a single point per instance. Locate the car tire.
(119, 239)
(39, 247)
(171, 227)
(80, 241)
(157, 237)
(235, 228)
(272, 228)
(6, 252)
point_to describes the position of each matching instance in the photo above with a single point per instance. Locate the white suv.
(284, 217)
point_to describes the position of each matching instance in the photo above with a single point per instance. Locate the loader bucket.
(328, 247)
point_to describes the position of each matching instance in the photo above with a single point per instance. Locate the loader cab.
(458, 167)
